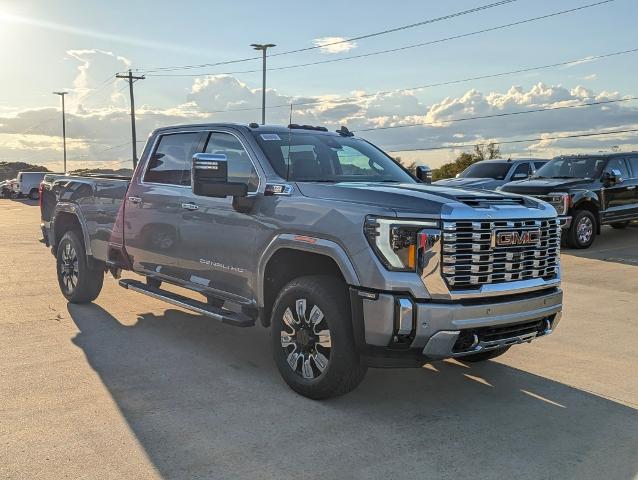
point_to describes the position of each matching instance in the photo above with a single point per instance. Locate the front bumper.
(394, 330)
(565, 221)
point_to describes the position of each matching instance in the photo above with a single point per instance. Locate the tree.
(464, 160)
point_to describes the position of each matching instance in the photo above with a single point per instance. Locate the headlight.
(395, 241)
(559, 200)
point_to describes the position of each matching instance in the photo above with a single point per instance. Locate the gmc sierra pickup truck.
(320, 236)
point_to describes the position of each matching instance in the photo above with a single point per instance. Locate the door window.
(240, 168)
(618, 163)
(522, 169)
(633, 163)
(538, 165)
(171, 160)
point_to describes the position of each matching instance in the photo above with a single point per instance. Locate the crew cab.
(321, 237)
(587, 191)
(491, 174)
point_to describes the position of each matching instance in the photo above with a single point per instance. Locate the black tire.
(582, 231)
(34, 194)
(620, 225)
(339, 371)
(482, 356)
(79, 283)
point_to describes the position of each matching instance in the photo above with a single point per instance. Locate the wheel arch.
(591, 203)
(69, 217)
(292, 256)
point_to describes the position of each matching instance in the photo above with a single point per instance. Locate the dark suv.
(587, 191)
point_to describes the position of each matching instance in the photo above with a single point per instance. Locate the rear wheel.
(34, 194)
(78, 282)
(482, 356)
(619, 225)
(312, 338)
(582, 231)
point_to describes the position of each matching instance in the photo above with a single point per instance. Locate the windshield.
(572, 167)
(495, 170)
(314, 157)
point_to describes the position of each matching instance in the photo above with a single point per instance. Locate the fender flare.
(73, 209)
(305, 243)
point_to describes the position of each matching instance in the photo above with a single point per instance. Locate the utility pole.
(130, 78)
(263, 47)
(62, 94)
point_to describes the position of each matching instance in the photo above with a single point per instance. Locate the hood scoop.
(488, 201)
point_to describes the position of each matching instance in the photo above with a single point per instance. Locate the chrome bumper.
(434, 328)
(565, 221)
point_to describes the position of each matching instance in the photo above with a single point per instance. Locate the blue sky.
(75, 45)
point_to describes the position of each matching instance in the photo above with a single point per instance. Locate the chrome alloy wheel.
(585, 230)
(306, 341)
(69, 267)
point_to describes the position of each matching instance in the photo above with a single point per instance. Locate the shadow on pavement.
(618, 246)
(205, 401)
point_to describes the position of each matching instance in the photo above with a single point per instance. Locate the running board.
(225, 316)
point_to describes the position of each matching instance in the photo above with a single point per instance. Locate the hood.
(468, 182)
(543, 186)
(417, 198)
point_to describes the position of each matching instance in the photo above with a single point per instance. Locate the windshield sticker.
(270, 136)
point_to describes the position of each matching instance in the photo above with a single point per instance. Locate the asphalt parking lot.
(130, 387)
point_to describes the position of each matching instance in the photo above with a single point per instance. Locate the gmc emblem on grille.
(512, 238)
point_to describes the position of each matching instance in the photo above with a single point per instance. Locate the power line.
(418, 87)
(497, 115)
(392, 50)
(352, 39)
(525, 140)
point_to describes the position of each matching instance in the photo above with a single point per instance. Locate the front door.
(618, 199)
(153, 205)
(217, 247)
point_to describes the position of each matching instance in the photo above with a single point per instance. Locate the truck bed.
(97, 197)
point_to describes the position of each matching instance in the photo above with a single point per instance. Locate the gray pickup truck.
(321, 236)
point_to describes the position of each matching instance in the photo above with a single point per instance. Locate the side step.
(225, 316)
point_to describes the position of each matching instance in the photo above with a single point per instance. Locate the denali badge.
(512, 238)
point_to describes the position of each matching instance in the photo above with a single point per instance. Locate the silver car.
(490, 174)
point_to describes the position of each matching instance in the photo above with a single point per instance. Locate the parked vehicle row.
(26, 184)
(323, 238)
(491, 174)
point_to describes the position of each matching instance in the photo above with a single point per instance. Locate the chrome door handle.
(135, 199)
(189, 206)
(631, 187)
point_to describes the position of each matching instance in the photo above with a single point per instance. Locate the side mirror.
(424, 173)
(612, 177)
(520, 176)
(209, 177)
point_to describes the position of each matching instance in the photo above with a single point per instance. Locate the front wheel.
(79, 282)
(582, 231)
(312, 338)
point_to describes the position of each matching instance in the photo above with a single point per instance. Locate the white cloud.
(334, 44)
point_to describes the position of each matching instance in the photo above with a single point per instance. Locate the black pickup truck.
(587, 191)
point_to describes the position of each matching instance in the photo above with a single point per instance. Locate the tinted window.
(523, 169)
(328, 158)
(618, 163)
(572, 167)
(495, 170)
(172, 158)
(240, 168)
(538, 165)
(633, 162)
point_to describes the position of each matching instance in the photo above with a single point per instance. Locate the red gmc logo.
(512, 238)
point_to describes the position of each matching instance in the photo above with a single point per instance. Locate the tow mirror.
(612, 177)
(424, 173)
(209, 177)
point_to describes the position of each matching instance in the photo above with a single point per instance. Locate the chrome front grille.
(471, 258)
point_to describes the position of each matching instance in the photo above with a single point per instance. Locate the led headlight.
(560, 201)
(395, 241)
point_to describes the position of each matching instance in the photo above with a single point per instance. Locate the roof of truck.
(253, 127)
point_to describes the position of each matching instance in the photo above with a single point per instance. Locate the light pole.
(62, 94)
(263, 47)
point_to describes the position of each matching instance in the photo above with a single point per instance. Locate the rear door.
(618, 199)
(153, 204)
